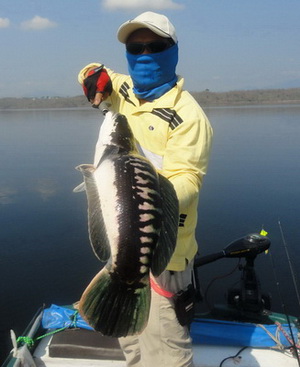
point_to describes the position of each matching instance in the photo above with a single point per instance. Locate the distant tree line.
(205, 98)
(44, 102)
(248, 97)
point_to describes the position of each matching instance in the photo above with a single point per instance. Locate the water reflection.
(46, 188)
(7, 195)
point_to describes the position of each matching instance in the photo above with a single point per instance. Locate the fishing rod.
(294, 345)
(290, 263)
(295, 286)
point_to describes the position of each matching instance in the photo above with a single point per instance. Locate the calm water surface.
(45, 256)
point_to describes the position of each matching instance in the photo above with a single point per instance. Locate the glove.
(97, 81)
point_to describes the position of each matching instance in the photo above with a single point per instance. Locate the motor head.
(248, 246)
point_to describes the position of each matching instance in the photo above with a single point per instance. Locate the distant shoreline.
(205, 99)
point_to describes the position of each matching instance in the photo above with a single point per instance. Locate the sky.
(224, 45)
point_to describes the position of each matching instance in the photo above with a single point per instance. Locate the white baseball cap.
(157, 23)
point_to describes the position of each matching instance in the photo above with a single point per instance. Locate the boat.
(244, 332)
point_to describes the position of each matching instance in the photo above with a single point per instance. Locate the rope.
(31, 341)
(279, 345)
(276, 337)
(286, 335)
(26, 340)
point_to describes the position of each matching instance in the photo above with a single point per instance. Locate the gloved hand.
(97, 86)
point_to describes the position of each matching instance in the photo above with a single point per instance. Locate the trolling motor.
(248, 298)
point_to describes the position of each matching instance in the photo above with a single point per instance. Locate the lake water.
(45, 256)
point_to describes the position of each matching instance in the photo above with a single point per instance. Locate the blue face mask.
(153, 74)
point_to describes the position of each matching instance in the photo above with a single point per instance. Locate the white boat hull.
(204, 356)
(81, 347)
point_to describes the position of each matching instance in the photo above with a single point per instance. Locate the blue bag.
(56, 317)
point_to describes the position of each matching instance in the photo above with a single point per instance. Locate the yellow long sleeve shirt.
(174, 133)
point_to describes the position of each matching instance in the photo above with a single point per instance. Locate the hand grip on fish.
(133, 223)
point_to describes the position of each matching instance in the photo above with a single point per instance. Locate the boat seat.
(81, 343)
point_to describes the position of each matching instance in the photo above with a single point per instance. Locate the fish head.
(115, 130)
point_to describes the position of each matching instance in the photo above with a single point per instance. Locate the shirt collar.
(168, 100)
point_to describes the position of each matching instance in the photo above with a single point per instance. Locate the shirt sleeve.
(186, 156)
(82, 72)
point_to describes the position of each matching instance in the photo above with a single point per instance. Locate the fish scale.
(138, 186)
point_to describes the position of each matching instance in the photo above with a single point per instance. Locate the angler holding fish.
(172, 132)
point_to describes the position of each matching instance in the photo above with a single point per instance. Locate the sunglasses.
(136, 48)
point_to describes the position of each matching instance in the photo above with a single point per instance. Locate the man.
(173, 132)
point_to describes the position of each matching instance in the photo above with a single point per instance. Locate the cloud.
(38, 23)
(141, 4)
(4, 23)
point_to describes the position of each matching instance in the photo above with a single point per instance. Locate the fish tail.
(115, 308)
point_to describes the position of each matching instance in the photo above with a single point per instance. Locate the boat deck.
(78, 347)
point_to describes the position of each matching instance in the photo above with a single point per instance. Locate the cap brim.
(127, 28)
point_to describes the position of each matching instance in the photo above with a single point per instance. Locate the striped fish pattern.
(132, 222)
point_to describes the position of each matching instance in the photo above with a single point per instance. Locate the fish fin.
(96, 225)
(115, 308)
(79, 188)
(109, 150)
(169, 228)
